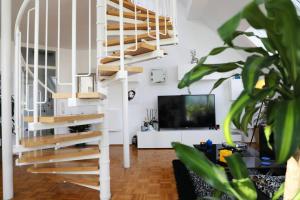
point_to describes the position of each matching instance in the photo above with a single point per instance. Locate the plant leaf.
(198, 163)
(195, 74)
(201, 70)
(227, 30)
(245, 188)
(247, 118)
(268, 132)
(286, 25)
(279, 192)
(237, 107)
(286, 128)
(237, 166)
(220, 81)
(272, 79)
(253, 69)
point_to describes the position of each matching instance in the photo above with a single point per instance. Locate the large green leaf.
(245, 188)
(241, 182)
(253, 69)
(237, 107)
(278, 193)
(220, 81)
(198, 163)
(272, 79)
(237, 166)
(286, 25)
(195, 74)
(201, 70)
(286, 128)
(247, 117)
(228, 30)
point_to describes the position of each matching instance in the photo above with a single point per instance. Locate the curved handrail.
(21, 13)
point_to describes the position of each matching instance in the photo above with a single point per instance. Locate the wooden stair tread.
(132, 39)
(61, 169)
(52, 155)
(81, 95)
(54, 139)
(142, 48)
(64, 118)
(109, 70)
(139, 16)
(140, 26)
(130, 6)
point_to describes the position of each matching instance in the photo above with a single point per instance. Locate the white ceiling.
(213, 12)
(66, 24)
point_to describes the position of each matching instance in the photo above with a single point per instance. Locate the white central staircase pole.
(7, 156)
(126, 150)
(36, 61)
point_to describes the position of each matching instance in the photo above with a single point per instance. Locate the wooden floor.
(150, 178)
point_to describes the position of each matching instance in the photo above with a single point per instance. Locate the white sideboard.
(163, 139)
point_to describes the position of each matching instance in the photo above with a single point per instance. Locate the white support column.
(126, 147)
(7, 159)
(126, 150)
(74, 48)
(104, 161)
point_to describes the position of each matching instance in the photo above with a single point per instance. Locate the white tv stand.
(163, 139)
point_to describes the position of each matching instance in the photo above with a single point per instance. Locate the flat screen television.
(186, 111)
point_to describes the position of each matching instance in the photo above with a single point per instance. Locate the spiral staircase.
(127, 34)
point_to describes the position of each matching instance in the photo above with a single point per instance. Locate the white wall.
(65, 76)
(192, 35)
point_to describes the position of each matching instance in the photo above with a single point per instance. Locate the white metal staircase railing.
(34, 149)
(127, 33)
(147, 27)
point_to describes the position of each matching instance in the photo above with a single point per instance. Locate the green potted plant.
(278, 63)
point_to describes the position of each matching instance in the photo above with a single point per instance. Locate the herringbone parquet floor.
(150, 178)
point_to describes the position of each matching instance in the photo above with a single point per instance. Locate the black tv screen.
(186, 111)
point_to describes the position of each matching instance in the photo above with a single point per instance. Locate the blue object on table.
(209, 145)
(264, 158)
(266, 163)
